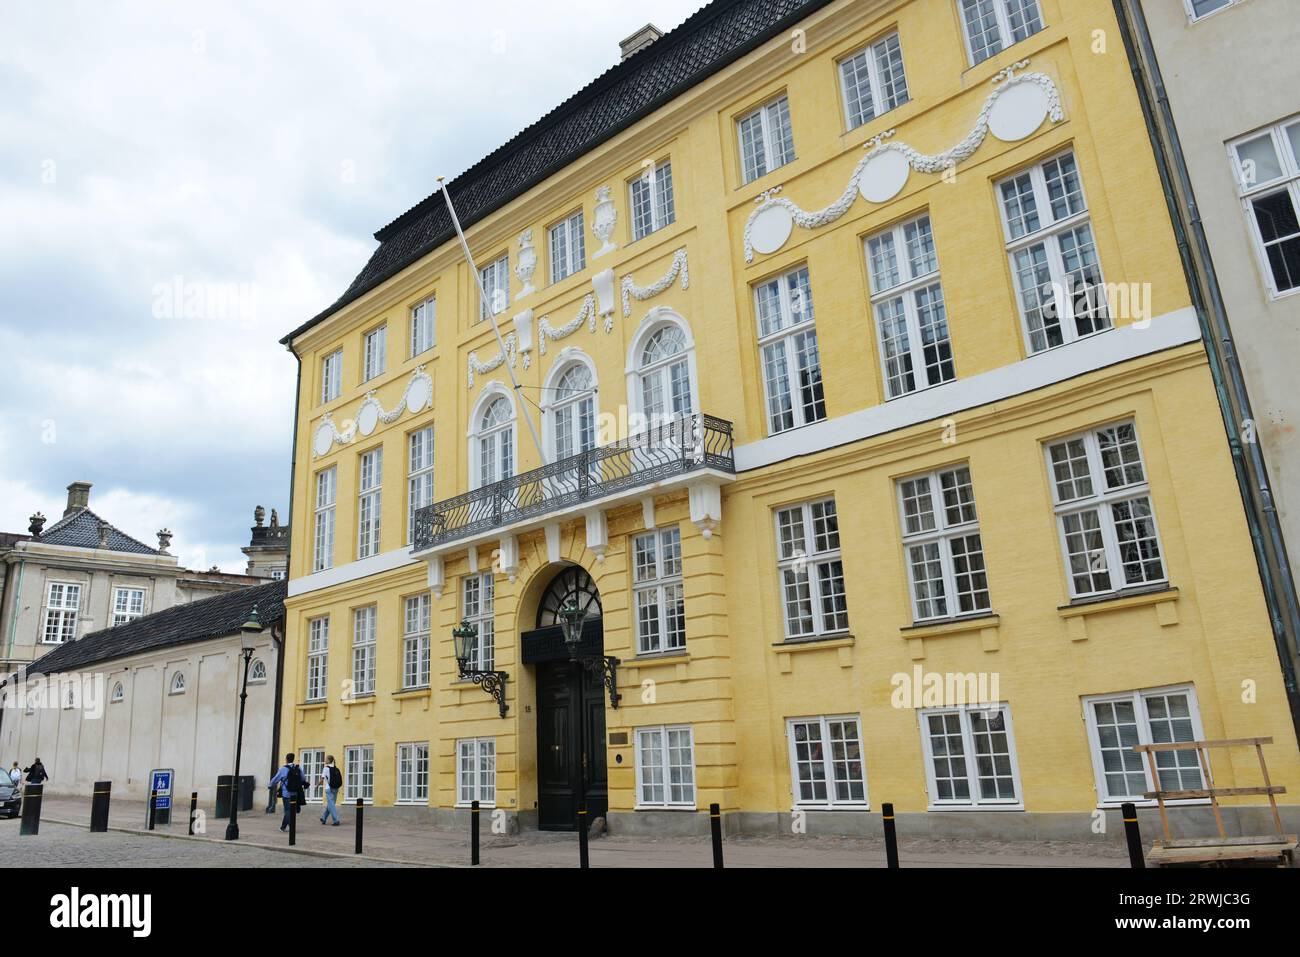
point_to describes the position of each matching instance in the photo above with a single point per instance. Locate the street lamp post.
(248, 633)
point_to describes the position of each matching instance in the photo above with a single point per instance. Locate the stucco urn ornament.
(526, 265)
(606, 218)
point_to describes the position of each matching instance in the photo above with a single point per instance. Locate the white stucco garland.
(548, 333)
(416, 397)
(1006, 80)
(632, 291)
(511, 352)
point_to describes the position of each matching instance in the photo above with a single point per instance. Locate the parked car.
(11, 799)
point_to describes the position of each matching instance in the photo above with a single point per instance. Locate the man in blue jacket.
(291, 783)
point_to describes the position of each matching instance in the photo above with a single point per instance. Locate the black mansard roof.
(711, 39)
(81, 530)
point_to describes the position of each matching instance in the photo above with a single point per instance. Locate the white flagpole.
(492, 317)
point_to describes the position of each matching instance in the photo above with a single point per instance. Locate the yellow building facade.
(904, 482)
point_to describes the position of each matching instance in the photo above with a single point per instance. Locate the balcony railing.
(678, 446)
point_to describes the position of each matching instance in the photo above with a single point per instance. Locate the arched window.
(119, 693)
(573, 584)
(572, 407)
(257, 673)
(178, 683)
(661, 368)
(494, 441)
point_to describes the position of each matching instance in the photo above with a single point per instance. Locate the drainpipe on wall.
(1265, 528)
(13, 616)
(282, 664)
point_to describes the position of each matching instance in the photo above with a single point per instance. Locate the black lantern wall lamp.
(464, 637)
(603, 667)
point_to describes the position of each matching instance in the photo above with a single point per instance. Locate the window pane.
(1259, 161)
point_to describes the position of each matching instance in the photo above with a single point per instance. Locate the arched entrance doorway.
(563, 688)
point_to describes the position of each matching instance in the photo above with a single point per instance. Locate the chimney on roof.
(638, 41)
(78, 497)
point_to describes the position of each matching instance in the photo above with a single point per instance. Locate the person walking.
(331, 780)
(36, 773)
(15, 775)
(292, 786)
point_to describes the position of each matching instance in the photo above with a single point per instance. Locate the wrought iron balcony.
(678, 446)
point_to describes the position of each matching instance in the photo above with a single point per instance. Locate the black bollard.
(1131, 831)
(361, 812)
(473, 832)
(99, 806)
(194, 809)
(31, 810)
(891, 838)
(293, 821)
(582, 837)
(153, 807)
(715, 826)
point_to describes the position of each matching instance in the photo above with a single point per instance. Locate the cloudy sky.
(182, 184)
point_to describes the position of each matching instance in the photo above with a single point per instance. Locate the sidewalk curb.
(300, 851)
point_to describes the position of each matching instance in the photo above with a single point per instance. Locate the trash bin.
(245, 792)
(224, 784)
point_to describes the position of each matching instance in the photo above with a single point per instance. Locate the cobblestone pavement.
(391, 835)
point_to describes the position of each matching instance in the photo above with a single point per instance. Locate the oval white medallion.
(420, 392)
(884, 176)
(368, 416)
(770, 229)
(323, 440)
(1018, 111)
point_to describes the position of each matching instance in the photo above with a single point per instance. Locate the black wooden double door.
(562, 689)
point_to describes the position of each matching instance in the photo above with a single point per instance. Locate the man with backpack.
(293, 787)
(331, 780)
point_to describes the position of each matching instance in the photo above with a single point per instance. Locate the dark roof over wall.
(81, 530)
(713, 37)
(179, 625)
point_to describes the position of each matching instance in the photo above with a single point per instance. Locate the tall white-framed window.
(993, 25)
(970, 756)
(312, 761)
(1155, 716)
(323, 528)
(651, 198)
(665, 766)
(568, 243)
(424, 332)
(873, 81)
(374, 353)
(415, 641)
(1107, 526)
(128, 605)
(370, 502)
(941, 538)
(1060, 290)
(1267, 166)
(1200, 9)
(419, 476)
(663, 370)
(571, 410)
(413, 773)
(907, 299)
(811, 570)
(496, 286)
(476, 771)
(331, 376)
(766, 139)
(62, 606)
(477, 607)
(826, 762)
(658, 592)
(363, 650)
(494, 442)
(787, 341)
(359, 773)
(318, 652)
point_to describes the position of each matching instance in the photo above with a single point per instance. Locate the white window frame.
(773, 147)
(498, 439)
(413, 773)
(942, 535)
(970, 756)
(1195, 17)
(359, 773)
(370, 501)
(318, 650)
(495, 277)
(831, 802)
(65, 614)
(790, 326)
(177, 684)
(365, 628)
(806, 558)
(1139, 699)
(125, 606)
(658, 375)
(653, 582)
(257, 674)
(571, 420)
(424, 326)
(1101, 501)
(331, 376)
(476, 786)
(325, 514)
(1288, 156)
(419, 475)
(312, 762)
(662, 200)
(909, 288)
(480, 611)
(374, 353)
(1049, 234)
(567, 244)
(417, 618)
(117, 697)
(660, 763)
(871, 54)
(1005, 38)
